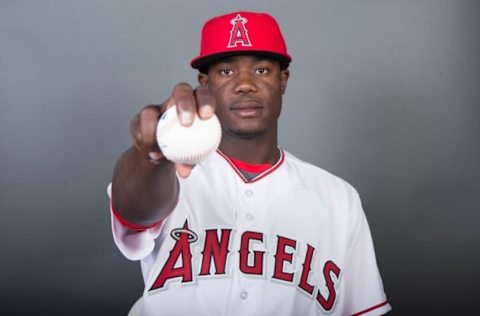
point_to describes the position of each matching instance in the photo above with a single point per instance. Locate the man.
(252, 230)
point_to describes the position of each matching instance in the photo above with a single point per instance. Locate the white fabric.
(295, 209)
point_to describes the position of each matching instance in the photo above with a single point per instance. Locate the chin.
(247, 133)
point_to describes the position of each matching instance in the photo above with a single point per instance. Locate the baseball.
(187, 145)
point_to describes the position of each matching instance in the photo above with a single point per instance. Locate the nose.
(245, 83)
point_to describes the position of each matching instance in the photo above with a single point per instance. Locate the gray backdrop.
(382, 93)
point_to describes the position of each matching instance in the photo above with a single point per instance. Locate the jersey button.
(249, 216)
(243, 295)
(249, 193)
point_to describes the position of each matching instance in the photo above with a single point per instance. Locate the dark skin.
(244, 91)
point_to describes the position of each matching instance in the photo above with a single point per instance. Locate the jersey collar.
(262, 175)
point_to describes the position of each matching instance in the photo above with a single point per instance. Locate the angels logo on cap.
(241, 32)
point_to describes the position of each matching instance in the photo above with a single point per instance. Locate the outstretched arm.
(145, 188)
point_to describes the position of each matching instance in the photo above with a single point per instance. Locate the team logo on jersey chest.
(216, 250)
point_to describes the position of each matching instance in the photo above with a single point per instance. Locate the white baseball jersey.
(294, 241)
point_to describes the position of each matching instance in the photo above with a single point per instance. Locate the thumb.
(184, 170)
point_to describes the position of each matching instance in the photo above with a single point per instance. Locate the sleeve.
(365, 293)
(134, 242)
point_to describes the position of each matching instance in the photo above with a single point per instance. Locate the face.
(248, 94)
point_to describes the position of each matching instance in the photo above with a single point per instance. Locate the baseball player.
(252, 230)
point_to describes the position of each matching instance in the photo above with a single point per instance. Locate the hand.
(189, 101)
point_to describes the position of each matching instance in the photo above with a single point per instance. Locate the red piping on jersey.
(370, 309)
(130, 225)
(261, 175)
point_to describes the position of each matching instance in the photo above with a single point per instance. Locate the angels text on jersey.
(290, 263)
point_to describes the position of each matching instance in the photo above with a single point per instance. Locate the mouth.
(247, 108)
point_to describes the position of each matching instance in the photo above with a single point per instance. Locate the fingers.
(190, 101)
(183, 97)
(143, 128)
(205, 102)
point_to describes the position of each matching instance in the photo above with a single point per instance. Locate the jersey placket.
(250, 241)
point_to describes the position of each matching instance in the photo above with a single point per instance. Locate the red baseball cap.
(241, 32)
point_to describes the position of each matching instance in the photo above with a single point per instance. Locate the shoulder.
(312, 177)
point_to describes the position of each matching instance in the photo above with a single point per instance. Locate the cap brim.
(202, 62)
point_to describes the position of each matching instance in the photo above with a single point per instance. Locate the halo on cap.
(240, 33)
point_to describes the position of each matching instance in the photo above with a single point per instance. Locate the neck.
(258, 150)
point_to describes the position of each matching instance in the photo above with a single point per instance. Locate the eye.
(226, 72)
(261, 71)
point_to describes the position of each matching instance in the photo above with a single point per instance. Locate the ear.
(284, 75)
(202, 79)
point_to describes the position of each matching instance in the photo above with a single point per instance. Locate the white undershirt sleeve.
(134, 245)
